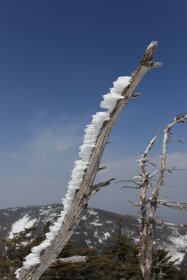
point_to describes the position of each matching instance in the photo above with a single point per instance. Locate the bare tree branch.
(101, 168)
(133, 204)
(173, 204)
(135, 95)
(74, 259)
(126, 181)
(130, 187)
(98, 186)
(162, 222)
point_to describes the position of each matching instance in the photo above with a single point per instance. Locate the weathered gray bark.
(146, 238)
(174, 204)
(73, 259)
(148, 218)
(82, 196)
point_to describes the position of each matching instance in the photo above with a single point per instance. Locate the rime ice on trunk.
(84, 173)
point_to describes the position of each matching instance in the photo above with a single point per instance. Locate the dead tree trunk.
(148, 206)
(82, 196)
(146, 238)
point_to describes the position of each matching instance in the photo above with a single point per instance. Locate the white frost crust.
(91, 134)
(111, 98)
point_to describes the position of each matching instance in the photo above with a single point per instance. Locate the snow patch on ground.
(84, 218)
(108, 222)
(21, 225)
(24, 243)
(92, 212)
(178, 247)
(44, 212)
(6, 214)
(88, 243)
(96, 234)
(106, 235)
(100, 240)
(96, 224)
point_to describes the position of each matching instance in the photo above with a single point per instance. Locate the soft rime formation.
(81, 187)
(90, 138)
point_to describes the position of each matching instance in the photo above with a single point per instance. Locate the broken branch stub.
(99, 186)
(82, 196)
(68, 260)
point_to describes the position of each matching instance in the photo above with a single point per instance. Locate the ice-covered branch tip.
(91, 133)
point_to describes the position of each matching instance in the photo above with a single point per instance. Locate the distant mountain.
(96, 228)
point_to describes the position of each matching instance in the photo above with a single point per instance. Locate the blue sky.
(57, 59)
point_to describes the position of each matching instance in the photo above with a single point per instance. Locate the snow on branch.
(85, 170)
(91, 134)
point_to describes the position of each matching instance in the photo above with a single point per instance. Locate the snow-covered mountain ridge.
(96, 228)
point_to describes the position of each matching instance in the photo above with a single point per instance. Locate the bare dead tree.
(148, 206)
(82, 196)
